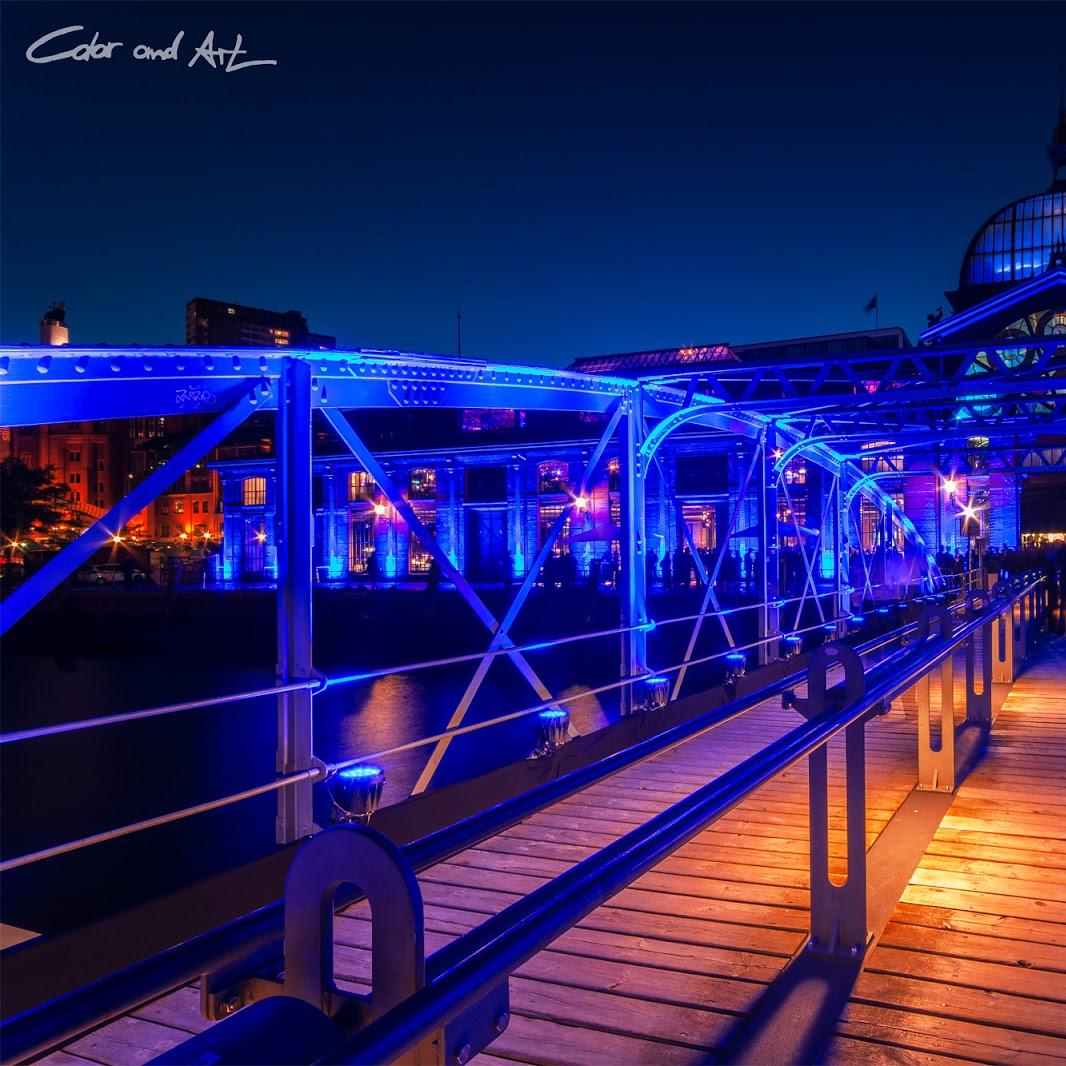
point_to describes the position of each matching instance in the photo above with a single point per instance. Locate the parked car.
(107, 574)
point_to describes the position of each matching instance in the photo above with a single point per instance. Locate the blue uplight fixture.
(791, 646)
(829, 629)
(856, 619)
(356, 793)
(736, 666)
(553, 731)
(652, 693)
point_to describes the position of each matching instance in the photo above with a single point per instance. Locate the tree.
(29, 497)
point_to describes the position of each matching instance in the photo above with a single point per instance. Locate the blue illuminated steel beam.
(294, 522)
(633, 594)
(109, 525)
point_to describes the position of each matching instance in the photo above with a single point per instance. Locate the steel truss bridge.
(933, 406)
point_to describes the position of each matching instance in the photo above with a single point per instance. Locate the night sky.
(579, 179)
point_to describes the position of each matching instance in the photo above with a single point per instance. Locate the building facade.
(490, 507)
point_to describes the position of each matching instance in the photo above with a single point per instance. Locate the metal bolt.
(462, 1056)
(502, 1022)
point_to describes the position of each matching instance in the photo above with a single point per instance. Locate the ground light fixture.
(356, 793)
(652, 693)
(791, 646)
(736, 666)
(830, 631)
(553, 731)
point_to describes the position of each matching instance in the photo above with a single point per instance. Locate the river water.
(106, 652)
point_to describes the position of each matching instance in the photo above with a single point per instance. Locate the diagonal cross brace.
(519, 600)
(104, 528)
(712, 578)
(355, 444)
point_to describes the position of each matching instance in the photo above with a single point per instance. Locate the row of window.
(198, 507)
(706, 474)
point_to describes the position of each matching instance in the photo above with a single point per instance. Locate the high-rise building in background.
(217, 324)
(53, 325)
(190, 512)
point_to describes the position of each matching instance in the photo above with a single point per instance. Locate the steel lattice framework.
(822, 410)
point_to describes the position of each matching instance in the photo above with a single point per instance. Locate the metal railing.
(461, 995)
(44, 1026)
(458, 975)
(322, 771)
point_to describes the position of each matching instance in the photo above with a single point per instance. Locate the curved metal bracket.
(673, 421)
(356, 855)
(931, 614)
(838, 909)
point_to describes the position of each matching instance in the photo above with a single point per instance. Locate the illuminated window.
(231, 310)
(179, 507)
(700, 521)
(254, 550)
(418, 558)
(360, 545)
(423, 484)
(253, 491)
(552, 476)
(360, 486)
(477, 419)
(1017, 242)
(884, 462)
(612, 475)
(796, 515)
(548, 515)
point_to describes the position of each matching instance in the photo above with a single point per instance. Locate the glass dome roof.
(1016, 242)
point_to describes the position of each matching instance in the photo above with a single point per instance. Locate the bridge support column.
(769, 576)
(633, 593)
(293, 537)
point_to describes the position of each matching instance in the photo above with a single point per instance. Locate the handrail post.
(936, 766)
(294, 516)
(838, 911)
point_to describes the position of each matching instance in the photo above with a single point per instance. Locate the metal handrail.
(320, 684)
(460, 972)
(41, 1027)
(323, 770)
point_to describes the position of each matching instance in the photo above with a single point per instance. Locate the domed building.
(1013, 277)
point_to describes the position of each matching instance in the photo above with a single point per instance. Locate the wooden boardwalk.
(972, 966)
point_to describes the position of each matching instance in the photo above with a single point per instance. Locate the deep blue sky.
(580, 179)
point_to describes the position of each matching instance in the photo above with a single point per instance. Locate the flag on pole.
(872, 305)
